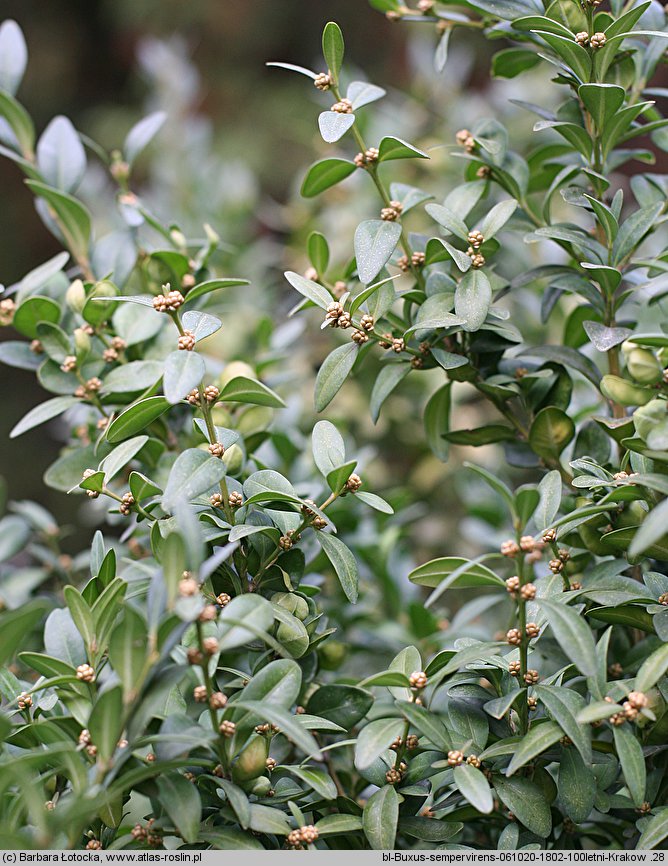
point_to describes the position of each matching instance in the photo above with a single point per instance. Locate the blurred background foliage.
(233, 153)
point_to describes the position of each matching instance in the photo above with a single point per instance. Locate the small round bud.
(418, 680)
(597, 40)
(36, 347)
(532, 630)
(168, 302)
(412, 742)
(476, 239)
(550, 536)
(216, 449)
(527, 543)
(323, 81)
(186, 341)
(512, 585)
(638, 700)
(119, 344)
(455, 757)
(7, 310)
(84, 737)
(216, 500)
(270, 764)
(93, 845)
(367, 322)
(418, 259)
(477, 260)
(566, 741)
(532, 704)
(528, 592)
(223, 599)
(354, 483)
(193, 397)
(235, 499)
(514, 669)
(462, 136)
(531, 677)
(344, 106)
(393, 777)
(210, 645)
(69, 364)
(217, 701)
(474, 761)
(483, 172)
(360, 337)
(582, 38)
(227, 728)
(188, 586)
(663, 598)
(85, 673)
(209, 613)
(514, 636)
(509, 548)
(24, 701)
(211, 393)
(110, 355)
(199, 694)
(404, 264)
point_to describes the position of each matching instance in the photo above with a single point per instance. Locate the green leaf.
(437, 420)
(183, 372)
(374, 501)
(473, 298)
(448, 220)
(551, 431)
(17, 353)
(333, 49)
(106, 721)
(344, 563)
(527, 802)
(511, 62)
(42, 413)
(242, 619)
(141, 134)
(633, 230)
(135, 376)
(573, 635)
(338, 477)
(318, 251)
(426, 723)
(202, 325)
(213, 285)
(17, 626)
(650, 532)
(473, 785)
(630, 754)
(388, 379)
(73, 218)
(136, 418)
(121, 456)
(602, 101)
(328, 447)
(309, 289)
(325, 174)
(181, 800)
(333, 372)
(573, 55)
(61, 157)
(81, 616)
(375, 241)
(194, 472)
(341, 704)
(485, 435)
(391, 147)
(244, 390)
(577, 786)
(563, 705)
(652, 669)
(541, 736)
(128, 647)
(20, 122)
(223, 838)
(333, 125)
(320, 782)
(14, 535)
(286, 721)
(32, 312)
(14, 54)
(376, 738)
(496, 219)
(439, 250)
(330, 825)
(362, 93)
(654, 831)
(380, 818)
(549, 491)
(468, 573)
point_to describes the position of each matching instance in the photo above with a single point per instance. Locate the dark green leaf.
(333, 373)
(344, 563)
(136, 418)
(244, 390)
(380, 819)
